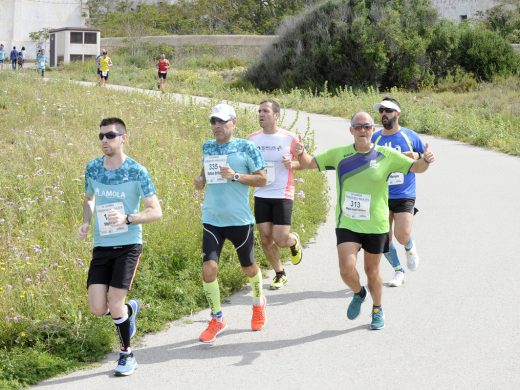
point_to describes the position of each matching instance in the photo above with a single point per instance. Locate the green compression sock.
(256, 286)
(212, 292)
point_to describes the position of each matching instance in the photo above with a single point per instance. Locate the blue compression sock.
(392, 258)
(409, 244)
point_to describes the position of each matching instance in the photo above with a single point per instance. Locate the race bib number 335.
(212, 166)
(357, 206)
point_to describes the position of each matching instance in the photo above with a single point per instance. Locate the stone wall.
(242, 46)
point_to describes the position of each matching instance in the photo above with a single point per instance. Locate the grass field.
(48, 133)
(486, 115)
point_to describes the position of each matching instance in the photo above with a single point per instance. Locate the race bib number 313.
(357, 206)
(102, 218)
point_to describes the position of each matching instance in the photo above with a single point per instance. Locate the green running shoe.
(278, 282)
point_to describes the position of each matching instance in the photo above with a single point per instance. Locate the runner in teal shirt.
(231, 167)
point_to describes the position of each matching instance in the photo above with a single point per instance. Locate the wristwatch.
(236, 176)
(129, 219)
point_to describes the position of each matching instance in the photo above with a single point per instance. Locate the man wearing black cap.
(401, 187)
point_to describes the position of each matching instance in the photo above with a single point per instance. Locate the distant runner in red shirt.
(162, 68)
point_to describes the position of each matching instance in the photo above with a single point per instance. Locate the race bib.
(104, 74)
(395, 178)
(357, 206)
(102, 218)
(212, 166)
(42, 64)
(270, 172)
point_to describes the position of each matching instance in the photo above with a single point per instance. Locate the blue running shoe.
(135, 304)
(126, 365)
(378, 319)
(354, 308)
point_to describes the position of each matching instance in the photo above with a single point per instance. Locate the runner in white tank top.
(273, 203)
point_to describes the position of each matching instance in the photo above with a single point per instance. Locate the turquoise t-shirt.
(2, 54)
(361, 181)
(41, 60)
(121, 189)
(226, 203)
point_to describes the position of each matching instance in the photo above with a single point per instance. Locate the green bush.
(485, 54)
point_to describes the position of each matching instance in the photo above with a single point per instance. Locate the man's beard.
(390, 123)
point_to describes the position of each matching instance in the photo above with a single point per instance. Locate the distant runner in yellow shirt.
(104, 67)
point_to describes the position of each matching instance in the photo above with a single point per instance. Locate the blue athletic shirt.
(405, 140)
(227, 203)
(121, 189)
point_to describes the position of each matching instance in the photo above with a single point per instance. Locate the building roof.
(73, 29)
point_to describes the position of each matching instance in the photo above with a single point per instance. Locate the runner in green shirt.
(362, 205)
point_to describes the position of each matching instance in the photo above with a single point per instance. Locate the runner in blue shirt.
(401, 193)
(2, 56)
(231, 166)
(114, 186)
(41, 60)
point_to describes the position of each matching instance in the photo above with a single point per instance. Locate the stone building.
(18, 18)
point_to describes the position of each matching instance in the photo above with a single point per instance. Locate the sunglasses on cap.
(365, 126)
(109, 135)
(217, 121)
(387, 110)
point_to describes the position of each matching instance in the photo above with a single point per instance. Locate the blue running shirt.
(400, 186)
(226, 203)
(121, 189)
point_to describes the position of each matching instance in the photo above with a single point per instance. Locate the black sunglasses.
(215, 121)
(387, 110)
(109, 135)
(365, 126)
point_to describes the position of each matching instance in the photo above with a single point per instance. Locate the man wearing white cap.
(231, 166)
(401, 187)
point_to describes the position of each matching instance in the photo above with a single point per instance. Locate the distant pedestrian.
(162, 68)
(19, 60)
(41, 60)
(2, 56)
(98, 63)
(104, 66)
(14, 57)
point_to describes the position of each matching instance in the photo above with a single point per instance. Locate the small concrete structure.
(73, 44)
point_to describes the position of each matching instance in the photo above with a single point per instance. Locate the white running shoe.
(412, 258)
(397, 280)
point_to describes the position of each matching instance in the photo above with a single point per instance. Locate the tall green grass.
(48, 133)
(486, 115)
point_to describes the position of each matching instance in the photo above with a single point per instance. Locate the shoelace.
(278, 278)
(213, 326)
(258, 313)
(122, 359)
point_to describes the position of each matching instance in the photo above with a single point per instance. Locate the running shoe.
(378, 319)
(214, 328)
(258, 319)
(126, 364)
(135, 304)
(354, 308)
(412, 258)
(397, 280)
(296, 250)
(278, 282)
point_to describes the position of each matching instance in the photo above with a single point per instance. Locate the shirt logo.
(110, 194)
(374, 164)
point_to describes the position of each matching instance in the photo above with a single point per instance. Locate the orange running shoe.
(213, 329)
(258, 319)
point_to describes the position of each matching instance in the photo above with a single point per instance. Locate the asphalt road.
(453, 325)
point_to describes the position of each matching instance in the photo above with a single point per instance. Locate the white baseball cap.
(387, 104)
(223, 111)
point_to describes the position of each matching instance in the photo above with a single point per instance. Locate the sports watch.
(236, 176)
(129, 219)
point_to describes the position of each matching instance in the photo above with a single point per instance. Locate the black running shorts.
(114, 266)
(278, 211)
(242, 237)
(371, 243)
(405, 205)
